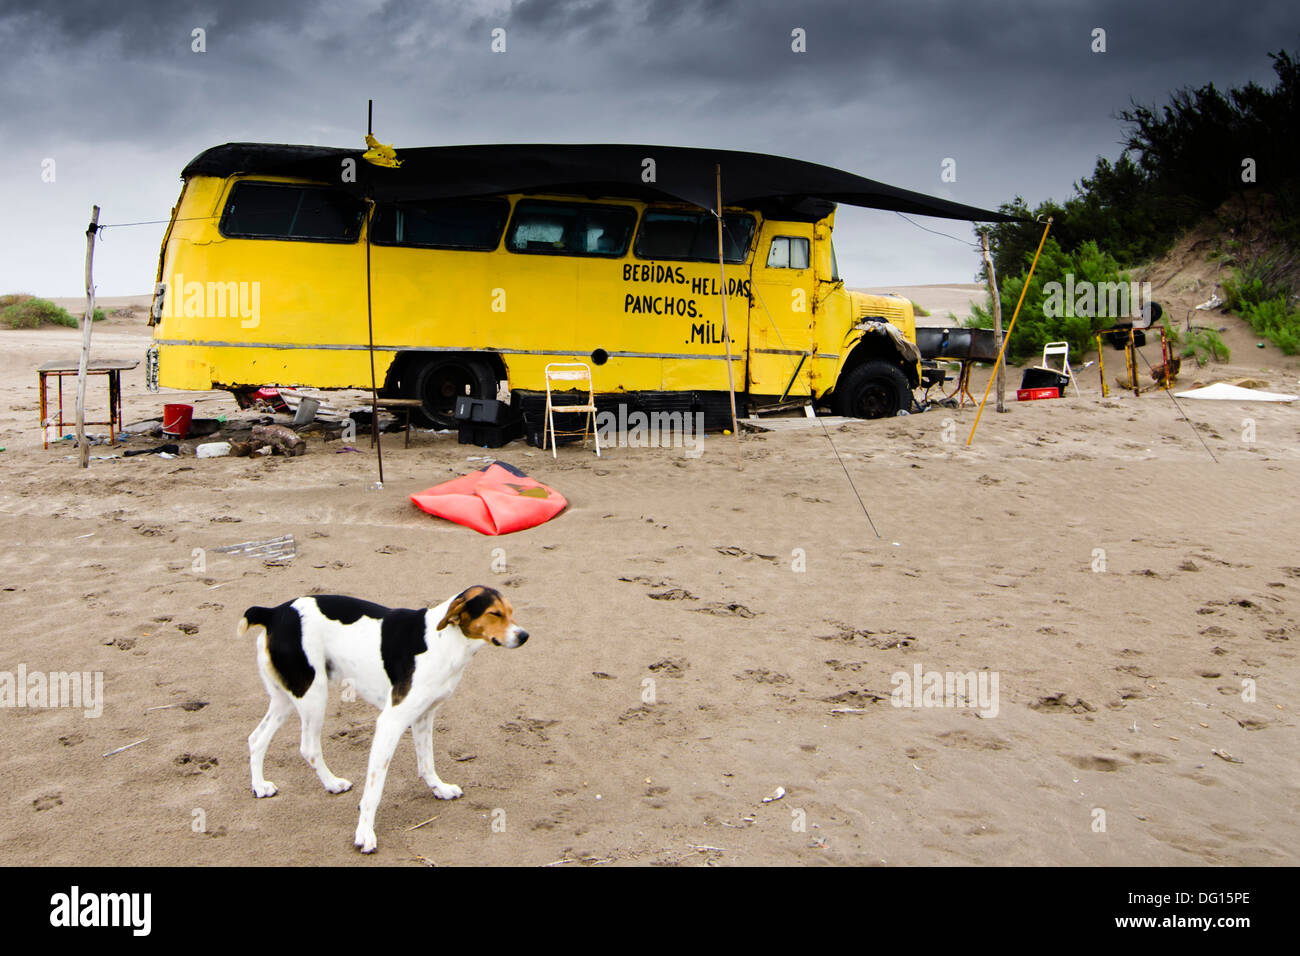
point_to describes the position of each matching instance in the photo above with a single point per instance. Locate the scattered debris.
(1224, 755)
(281, 438)
(593, 860)
(127, 747)
(776, 795)
(189, 705)
(167, 450)
(213, 449)
(274, 550)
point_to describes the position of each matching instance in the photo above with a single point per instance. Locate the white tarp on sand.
(1222, 391)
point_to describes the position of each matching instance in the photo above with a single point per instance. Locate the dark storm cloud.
(1010, 91)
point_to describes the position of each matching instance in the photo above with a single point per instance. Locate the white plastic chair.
(570, 372)
(1060, 350)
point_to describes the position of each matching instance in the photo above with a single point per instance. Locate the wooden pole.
(370, 317)
(991, 275)
(87, 324)
(370, 328)
(726, 331)
(1014, 315)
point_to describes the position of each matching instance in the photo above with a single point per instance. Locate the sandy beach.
(701, 637)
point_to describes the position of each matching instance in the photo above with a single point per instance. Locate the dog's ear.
(453, 610)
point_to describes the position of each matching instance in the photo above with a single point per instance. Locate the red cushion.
(497, 499)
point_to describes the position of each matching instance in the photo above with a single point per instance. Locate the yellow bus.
(281, 265)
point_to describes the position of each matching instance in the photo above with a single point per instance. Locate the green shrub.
(1274, 320)
(22, 311)
(1260, 293)
(1203, 345)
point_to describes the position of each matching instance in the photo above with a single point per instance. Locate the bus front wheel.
(440, 381)
(873, 390)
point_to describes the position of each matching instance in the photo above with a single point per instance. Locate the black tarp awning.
(790, 188)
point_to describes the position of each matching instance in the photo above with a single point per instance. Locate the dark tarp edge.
(796, 188)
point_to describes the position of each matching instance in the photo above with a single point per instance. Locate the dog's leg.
(390, 726)
(422, 732)
(276, 714)
(311, 711)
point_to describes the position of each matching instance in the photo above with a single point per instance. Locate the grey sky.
(114, 95)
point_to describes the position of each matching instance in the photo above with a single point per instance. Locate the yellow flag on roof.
(380, 154)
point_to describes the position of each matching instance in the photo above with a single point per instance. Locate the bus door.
(781, 311)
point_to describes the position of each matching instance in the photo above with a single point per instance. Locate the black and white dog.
(396, 658)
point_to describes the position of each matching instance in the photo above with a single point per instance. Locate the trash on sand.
(1224, 755)
(274, 550)
(189, 705)
(776, 795)
(496, 499)
(306, 412)
(171, 450)
(152, 426)
(127, 747)
(282, 439)
(1222, 391)
(213, 449)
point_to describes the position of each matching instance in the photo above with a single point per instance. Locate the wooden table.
(60, 369)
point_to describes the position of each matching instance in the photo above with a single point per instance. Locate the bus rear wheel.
(873, 390)
(440, 381)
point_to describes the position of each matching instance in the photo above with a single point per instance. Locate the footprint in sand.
(1101, 764)
(1061, 704)
(670, 666)
(48, 802)
(195, 763)
(724, 609)
(673, 594)
(734, 552)
(763, 676)
(1142, 756)
(960, 738)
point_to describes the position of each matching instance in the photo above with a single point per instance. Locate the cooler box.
(1044, 378)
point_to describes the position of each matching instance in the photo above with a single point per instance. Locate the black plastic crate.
(490, 436)
(483, 411)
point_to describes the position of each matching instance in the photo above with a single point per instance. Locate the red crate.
(1034, 394)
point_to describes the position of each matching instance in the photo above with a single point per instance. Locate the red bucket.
(176, 420)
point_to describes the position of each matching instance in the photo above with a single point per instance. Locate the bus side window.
(280, 211)
(693, 237)
(788, 252)
(576, 230)
(472, 224)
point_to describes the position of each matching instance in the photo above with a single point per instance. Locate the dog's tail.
(253, 617)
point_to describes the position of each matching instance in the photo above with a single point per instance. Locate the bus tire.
(874, 389)
(438, 381)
